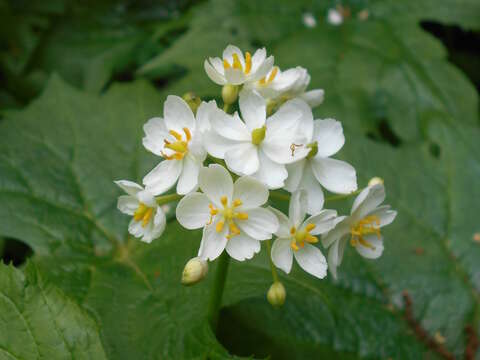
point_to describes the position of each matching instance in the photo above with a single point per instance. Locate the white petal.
(235, 76)
(295, 174)
(163, 176)
(242, 247)
(127, 204)
(253, 109)
(258, 59)
(270, 173)
(342, 228)
(250, 191)
(335, 175)
(283, 222)
(329, 136)
(370, 198)
(228, 54)
(231, 127)
(188, 180)
(193, 211)
(314, 191)
(213, 242)
(324, 221)
(312, 260)
(368, 252)
(242, 159)
(156, 228)
(205, 112)
(129, 187)
(335, 255)
(297, 208)
(306, 123)
(155, 133)
(217, 145)
(177, 114)
(285, 120)
(147, 198)
(135, 228)
(313, 97)
(263, 69)
(385, 215)
(282, 255)
(213, 74)
(260, 225)
(215, 182)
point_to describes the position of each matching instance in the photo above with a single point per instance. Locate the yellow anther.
(310, 227)
(147, 217)
(248, 62)
(241, 216)
(234, 230)
(219, 226)
(188, 134)
(366, 226)
(226, 64)
(175, 134)
(213, 210)
(236, 62)
(178, 146)
(311, 239)
(224, 200)
(293, 230)
(294, 246)
(272, 75)
(237, 202)
(140, 212)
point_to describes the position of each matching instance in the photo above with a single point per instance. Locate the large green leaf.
(38, 321)
(57, 195)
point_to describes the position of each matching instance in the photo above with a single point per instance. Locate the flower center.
(179, 146)
(313, 149)
(258, 135)
(237, 64)
(229, 214)
(299, 237)
(265, 81)
(143, 213)
(366, 226)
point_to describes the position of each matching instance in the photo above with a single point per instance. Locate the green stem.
(226, 107)
(217, 290)
(164, 199)
(272, 266)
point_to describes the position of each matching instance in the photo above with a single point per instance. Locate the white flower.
(334, 17)
(148, 220)
(309, 20)
(318, 169)
(295, 237)
(230, 214)
(177, 138)
(259, 146)
(279, 86)
(362, 227)
(236, 69)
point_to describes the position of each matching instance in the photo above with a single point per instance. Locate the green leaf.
(38, 321)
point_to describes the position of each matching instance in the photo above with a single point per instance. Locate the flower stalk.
(217, 290)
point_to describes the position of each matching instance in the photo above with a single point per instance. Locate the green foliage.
(92, 291)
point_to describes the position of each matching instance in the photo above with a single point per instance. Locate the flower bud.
(276, 294)
(375, 181)
(192, 100)
(194, 271)
(229, 94)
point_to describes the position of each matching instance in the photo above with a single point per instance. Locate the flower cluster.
(227, 162)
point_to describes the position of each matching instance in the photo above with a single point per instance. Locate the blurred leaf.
(38, 321)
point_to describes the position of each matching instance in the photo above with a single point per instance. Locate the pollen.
(367, 226)
(300, 237)
(179, 146)
(228, 216)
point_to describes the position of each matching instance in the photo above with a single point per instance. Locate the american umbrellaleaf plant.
(227, 164)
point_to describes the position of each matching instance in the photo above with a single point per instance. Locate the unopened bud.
(229, 94)
(276, 294)
(192, 100)
(375, 181)
(194, 271)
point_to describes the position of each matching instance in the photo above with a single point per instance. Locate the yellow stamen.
(293, 245)
(226, 64)
(188, 134)
(241, 216)
(248, 62)
(366, 226)
(237, 202)
(236, 62)
(219, 226)
(224, 200)
(147, 216)
(178, 146)
(175, 134)
(310, 227)
(311, 239)
(234, 230)
(293, 230)
(140, 212)
(302, 236)
(273, 73)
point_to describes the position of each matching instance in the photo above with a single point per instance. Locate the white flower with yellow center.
(318, 170)
(279, 86)
(296, 236)
(260, 146)
(148, 221)
(361, 228)
(229, 213)
(177, 138)
(234, 68)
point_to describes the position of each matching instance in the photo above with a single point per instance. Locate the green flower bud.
(375, 180)
(195, 270)
(229, 94)
(276, 294)
(258, 135)
(192, 100)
